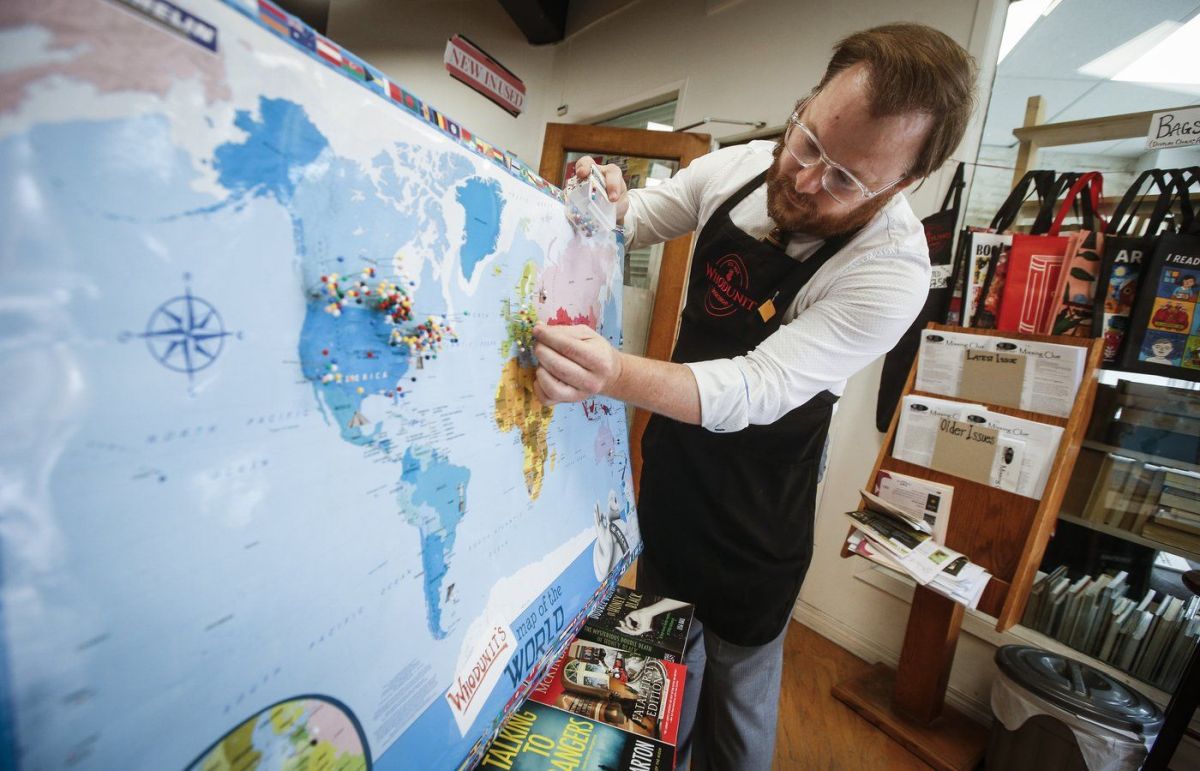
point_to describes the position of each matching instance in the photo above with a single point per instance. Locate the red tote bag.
(1035, 262)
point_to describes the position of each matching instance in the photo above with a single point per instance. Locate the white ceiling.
(1052, 57)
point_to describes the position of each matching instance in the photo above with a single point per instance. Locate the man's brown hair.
(914, 68)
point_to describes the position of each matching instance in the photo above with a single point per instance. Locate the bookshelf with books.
(1129, 528)
(1149, 636)
(989, 522)
(1138, 476)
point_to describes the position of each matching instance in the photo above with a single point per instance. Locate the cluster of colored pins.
(426, 338)
(520, 326)
(386, 296)
(332, 375)
(588, 208)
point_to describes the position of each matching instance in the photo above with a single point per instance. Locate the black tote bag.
(1124, 252)
(939, 234)
(1164, 331)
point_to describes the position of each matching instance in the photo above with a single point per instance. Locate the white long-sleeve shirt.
(851, 311)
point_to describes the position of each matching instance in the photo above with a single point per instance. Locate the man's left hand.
(574, 363)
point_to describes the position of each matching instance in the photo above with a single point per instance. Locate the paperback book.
(643, 624)
(538, 737)
(639, 694)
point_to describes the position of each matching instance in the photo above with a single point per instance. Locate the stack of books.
(612, 701)
(1151, 637)
(1176, 517)
(1153, 500)
(1157, 420)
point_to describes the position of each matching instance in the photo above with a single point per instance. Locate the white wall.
(749, 60)
(406, 40)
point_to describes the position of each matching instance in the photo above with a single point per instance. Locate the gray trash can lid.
(1079, 689)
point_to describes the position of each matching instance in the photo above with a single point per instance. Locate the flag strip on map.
(271, 18)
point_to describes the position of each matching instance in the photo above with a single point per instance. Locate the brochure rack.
(1004, 532)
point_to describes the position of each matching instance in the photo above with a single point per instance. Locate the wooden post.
(927, 656)
(1035, 114)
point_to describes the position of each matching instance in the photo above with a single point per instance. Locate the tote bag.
(1164, 331)
(1125, 249)
(991, 292)
(1035, 261)
(939, 235)
(973, 258)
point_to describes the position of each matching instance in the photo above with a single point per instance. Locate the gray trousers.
(730, 703)
(730, 697)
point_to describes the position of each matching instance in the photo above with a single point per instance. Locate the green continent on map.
(519, 317)
(305, 734)
(516, 406)
(235, 752)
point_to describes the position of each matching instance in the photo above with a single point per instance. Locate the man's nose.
(809, 180)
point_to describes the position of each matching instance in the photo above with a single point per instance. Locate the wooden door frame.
(680, 147)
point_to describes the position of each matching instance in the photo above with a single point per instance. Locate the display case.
(1110, 584)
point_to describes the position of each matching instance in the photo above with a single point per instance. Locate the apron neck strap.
(791, 284)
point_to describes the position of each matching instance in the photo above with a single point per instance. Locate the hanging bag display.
(1035, 261)
(979, 247)
(1071, 313)
(939, 235)
(1128, 241)
(1164, 331)
(991, 292)
(1076, 292)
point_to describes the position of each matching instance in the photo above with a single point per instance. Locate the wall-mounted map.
(274, 490)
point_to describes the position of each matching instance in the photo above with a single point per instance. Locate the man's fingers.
(540, 395)
(583, 167)
(571, 342)
(613, 181)
(555, 390)
(563, 368)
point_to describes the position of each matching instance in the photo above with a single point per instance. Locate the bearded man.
(809, 264)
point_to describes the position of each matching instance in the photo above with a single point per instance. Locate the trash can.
(1053, 712)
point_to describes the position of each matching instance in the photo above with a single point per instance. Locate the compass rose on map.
(185, 333)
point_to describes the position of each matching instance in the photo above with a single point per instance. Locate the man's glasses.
(841, 185)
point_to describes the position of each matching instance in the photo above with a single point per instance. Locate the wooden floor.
(816, 730)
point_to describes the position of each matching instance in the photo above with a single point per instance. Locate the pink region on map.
(604, 444)
(328, 723)
(572, 289)
(111, 47)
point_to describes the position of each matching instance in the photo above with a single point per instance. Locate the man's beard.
(798, 212)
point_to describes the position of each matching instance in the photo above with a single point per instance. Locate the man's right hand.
(614, 183)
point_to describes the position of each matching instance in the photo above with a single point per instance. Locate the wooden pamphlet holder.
(1004, 532)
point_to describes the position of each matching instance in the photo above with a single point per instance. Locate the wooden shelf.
(979, 624)
(1130, 125)
(1157, 460)
(1127, 535)
(1034, 134)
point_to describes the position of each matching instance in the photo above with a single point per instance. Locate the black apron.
(727, 518)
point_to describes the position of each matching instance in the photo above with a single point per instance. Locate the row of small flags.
(304, 36)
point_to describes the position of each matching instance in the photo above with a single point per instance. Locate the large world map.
(277, 493)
